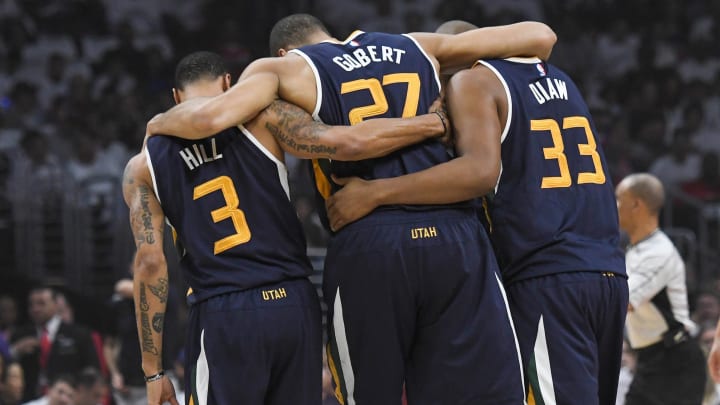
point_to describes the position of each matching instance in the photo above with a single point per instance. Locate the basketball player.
(432, 297)
(524, 131)
(254, 317)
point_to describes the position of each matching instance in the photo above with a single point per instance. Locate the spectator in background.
(60, 392)
(681, 165)
(670, 365)
(38, 165)
(8, 316)
(22, 109)
(67, 315)
(702, 137)
(707, 308)
(91, 388)
(55, 82)
(706, 187)
(37, 349)
(13, 385)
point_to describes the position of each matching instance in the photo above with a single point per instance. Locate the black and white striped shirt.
(658, 292)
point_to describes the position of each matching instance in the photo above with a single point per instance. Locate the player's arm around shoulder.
(300, 135)
(474, 103)
(201, 117)
(528, 38)
(150, 277)
(477, 102)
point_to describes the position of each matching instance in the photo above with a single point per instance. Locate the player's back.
(554, 209)
(226, 198)
(375, 75)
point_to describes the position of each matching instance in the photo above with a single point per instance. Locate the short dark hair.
(45, 287)
(88, 378)
(454, 27)
(294, 30)
(197, 66)
(68, 379)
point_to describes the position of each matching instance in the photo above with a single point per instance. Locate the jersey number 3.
(557, 152)
(380, 103)
(225, 185)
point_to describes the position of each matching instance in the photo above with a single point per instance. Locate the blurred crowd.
(79, 79)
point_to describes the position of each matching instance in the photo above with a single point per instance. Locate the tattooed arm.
(299, 135)
(150, 276)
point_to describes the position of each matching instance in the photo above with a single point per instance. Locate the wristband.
(155, 377)
(439, 114)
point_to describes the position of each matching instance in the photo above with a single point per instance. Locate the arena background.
(80, 78)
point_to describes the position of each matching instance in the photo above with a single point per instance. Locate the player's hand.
(160, 392)
(438, 107)
(150, 127)
(352, 202)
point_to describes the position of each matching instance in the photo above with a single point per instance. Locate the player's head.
(453, 27)
(294, 31)
(640, 197)
(200, 74)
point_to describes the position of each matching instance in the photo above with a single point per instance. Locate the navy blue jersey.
(226, 198)
(554, 209)
(374, 75)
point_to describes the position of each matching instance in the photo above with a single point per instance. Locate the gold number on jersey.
(587, 149)
(380, 103)
(557, 151)
(225, 185)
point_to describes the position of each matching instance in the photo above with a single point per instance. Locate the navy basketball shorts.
(415, 298)
(570, 329)
(256, 347)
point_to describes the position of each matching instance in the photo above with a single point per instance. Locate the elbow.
(546, 40)
(149, 264)
(486, 178)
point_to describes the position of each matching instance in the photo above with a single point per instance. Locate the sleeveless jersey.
(554, 209)
(226, 198)
(373, 75)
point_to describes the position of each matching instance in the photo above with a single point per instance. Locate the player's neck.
(320, 36)
(201, 90)
(643, 231)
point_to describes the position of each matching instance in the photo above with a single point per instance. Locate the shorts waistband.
(396, 216)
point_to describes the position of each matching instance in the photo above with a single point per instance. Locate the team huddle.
(481, 270)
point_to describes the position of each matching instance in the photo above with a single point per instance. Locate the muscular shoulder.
(476, 87)
(478, 78)
(136, 172)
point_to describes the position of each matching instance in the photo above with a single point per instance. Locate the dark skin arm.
(150, 275)
(290, 78)
(527, 38)
(205, 116)
(477, 102)
(298, 134)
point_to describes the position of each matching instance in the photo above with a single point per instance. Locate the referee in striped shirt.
(670, 364)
